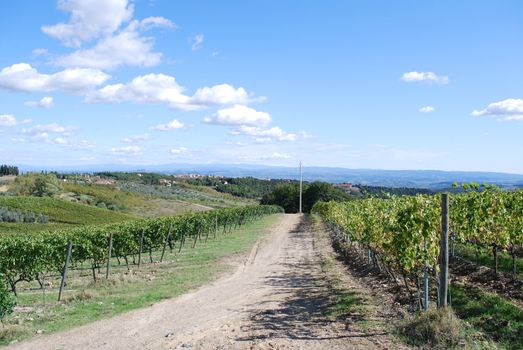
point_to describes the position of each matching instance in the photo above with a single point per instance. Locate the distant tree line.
(382, 191)
(9, 170)
(246, 187)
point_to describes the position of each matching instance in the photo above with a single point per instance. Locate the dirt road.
(275, 300)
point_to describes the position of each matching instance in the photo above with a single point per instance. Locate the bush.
(7, 300)
(39, 185)
(437, 329)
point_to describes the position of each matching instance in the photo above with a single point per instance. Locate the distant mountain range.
(431, 179)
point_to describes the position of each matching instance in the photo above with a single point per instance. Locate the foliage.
(8, 170)
(7, 215)
(288, 196)
(247, 187)
(34, 184)
(27, 256)
(7, 300)
(404, 231)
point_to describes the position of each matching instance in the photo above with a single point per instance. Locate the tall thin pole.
(301, 184)
(444, 251)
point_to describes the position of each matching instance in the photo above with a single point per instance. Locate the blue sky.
(358, 84)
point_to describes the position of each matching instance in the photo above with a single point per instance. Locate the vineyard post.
(66, 265)
(166, 242)
(141, 248)
(109, 253)
(215, 226)
(444, 251)
(426, 283)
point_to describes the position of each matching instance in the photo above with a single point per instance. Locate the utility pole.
(301, 184)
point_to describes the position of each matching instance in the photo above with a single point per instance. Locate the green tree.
(321, 191)
(39, 185)
(286, 196)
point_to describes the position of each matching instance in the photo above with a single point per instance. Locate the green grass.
(496, 317)
(87, 301)
(485, 258)
(61, 211)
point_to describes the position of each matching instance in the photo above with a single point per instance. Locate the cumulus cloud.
(239, 115)
(263, 135)
(222, 94)
(150, 88)
(426, 109)
(429, 77)
(136, 138)
(126, 151)
(89, 19)
(23, 77)
(127, 47)
(178, 151)
(172, 125)
(119, 39)
(53, 134)
(162, 88)
(509, 109)
(276, 155)
(45, 102)
(197, 42)
(9, 120)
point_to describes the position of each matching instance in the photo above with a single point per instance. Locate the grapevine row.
(404, 231)
(25, 257)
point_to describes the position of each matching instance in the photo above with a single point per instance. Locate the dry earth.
(276, 299)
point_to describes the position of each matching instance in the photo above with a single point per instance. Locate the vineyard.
(29, 257)
(401, 235)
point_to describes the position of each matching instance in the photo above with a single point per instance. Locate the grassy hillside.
(60, 211)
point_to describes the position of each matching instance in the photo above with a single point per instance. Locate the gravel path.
(274, 300)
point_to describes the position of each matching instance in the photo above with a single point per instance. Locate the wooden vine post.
(66, 266)
(141, 248)
(444, 252)
(109, 253)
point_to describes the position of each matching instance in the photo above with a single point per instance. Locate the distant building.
(343, 185)
(105, 182)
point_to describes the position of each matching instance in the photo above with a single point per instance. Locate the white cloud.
(23, 77)
(264, 135)
(40, 52)
(509, 109)
(426, 109)
(430, 77)
(45, 102)
(197, 42)
(118, 38)
(222, 94)
(136, 138)
(54, 128)
(86, 158)
(276, 155)
(89, 20)
(172, 125)
(239, 115)
(7, 120)
(178, 151)
(126, 151)
(127, 47)
(150, 88)
(162, 88)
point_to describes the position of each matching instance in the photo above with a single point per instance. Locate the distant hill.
(431, 179)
